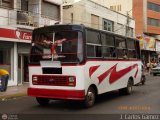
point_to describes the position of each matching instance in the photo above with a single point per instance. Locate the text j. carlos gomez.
(139, 117)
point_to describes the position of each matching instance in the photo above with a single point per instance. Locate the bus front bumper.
(57, 94)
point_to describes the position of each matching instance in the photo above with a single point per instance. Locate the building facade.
(95, 15)
(18, 20)
(147, 17)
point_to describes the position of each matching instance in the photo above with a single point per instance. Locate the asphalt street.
(145, 100)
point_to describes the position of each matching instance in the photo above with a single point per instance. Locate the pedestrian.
(4, 76)
(154, 64)
(148, 67)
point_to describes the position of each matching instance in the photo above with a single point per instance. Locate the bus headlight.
(71, 81)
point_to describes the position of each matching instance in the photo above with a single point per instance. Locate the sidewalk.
(14, 91)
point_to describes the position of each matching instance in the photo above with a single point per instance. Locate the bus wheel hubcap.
(90, 97)
(130, 88)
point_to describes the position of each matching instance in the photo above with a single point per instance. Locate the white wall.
(126, 5)
(82, 15)
(46, 21)
(4, 17)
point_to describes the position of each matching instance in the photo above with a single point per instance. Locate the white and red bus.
(74, 62)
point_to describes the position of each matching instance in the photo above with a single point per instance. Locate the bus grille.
(50, 80)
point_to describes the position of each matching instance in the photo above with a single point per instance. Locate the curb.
(12, 96)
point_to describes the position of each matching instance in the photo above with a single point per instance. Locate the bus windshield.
(64, 46)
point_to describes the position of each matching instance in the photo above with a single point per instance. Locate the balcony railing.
(26, 18)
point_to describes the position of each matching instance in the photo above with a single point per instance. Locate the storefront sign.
(147, 43)
(158, 46)
(7, 33)
(141, 41)
(23, 35)
(150, 43)
(15, 34)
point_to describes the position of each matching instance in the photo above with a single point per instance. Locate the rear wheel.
(128, 90)
(143, 80)
(43, 101)
(90, 97)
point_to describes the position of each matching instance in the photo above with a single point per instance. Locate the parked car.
(155, 70)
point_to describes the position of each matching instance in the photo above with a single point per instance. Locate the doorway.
(23, 74)
(25, 69)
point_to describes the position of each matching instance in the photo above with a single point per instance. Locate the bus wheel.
(143, 80)
(43, 101)
(128, 90)
(90, 97)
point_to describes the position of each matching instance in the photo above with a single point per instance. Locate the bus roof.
(59, 27)
(77, 27)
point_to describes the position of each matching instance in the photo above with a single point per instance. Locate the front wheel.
(90, 97)
(43, 101)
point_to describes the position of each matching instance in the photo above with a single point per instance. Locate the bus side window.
(93, 45)
(108, 45)
(94, 51)
(121, 47)
(90, 51)
(138, 49)
(113, 52)
(131, 48)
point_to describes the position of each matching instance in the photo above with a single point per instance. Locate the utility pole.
(127, 24)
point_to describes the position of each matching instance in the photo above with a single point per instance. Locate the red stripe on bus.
(92, 70)
(116, 75)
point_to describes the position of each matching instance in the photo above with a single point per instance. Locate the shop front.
(14, 53)
(158, 49)
(148, 49)
(6, 58)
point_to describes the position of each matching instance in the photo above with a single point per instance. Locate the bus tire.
(143, 80)
(43, 101)
(90, 97)
(127, 90)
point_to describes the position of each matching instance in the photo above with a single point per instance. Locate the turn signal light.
(34, 80)
(71, 81)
